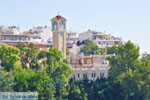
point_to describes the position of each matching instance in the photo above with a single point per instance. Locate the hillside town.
(74, 50)
(92, 66)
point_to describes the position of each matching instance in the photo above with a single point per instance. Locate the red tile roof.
(58, 17)
(41, 45)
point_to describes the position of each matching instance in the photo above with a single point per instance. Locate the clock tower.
(59, 33)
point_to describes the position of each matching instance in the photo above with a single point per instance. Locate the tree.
(67, 51)
(6, 81)
(75, 93)
(57, 69)
(21, 46)
(144, 75)
(145, 57)
(30, 80)
(129, 77)
(53, 63)
(30, 56)
(112, 50)
(125, 70)
(49, 91)
(8, 57)
(47, 73)
(89, 47)
(127, 57)
(102, 51)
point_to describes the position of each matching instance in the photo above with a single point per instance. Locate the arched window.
(54, 25)
(62, 25)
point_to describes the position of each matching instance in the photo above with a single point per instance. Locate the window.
(62, 35)
(78, 75)
(19, 38)
(54, 25)
(85, 75)
(101, 43)
(62, 25)
(93, 74)
(4, 38)
(94, 37)
(100, 37)
(89, 61)
(105, 62)
(11, 38)
(101, 75)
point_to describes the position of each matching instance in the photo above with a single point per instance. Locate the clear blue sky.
(129, 19)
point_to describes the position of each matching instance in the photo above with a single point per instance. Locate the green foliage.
(126, 58)
(44, 72)
(145, 57)
(128, 77)
(57, 69)
(111, 50)
(30, 56)
(8, 56)
(50, 59)
(127, 70)
(6, 81)
(101, 89)
(67, 51)
(47, 74)
(89, 47)
(30, 80)
(21, 47)
(75, 93)
(49, 91)
(102, 51)
(144, 76)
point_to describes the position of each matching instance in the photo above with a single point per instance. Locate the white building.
(10, 30)
(13, 34)
(45, 33)
(101, 39)
(71, 38)
(91, 67)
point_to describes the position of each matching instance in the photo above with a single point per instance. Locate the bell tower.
(59, 33)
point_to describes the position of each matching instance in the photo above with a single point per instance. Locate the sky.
(129, 19)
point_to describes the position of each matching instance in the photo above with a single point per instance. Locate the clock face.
(62, 24)
(54, 25)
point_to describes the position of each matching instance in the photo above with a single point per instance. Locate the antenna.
(58, 12)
